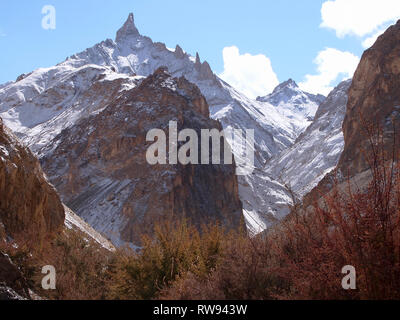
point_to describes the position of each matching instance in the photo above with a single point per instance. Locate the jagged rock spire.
(179, 52)
(128, 30)
(198, 61)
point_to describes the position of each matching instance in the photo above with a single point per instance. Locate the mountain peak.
(128, 30)
(289, 83)
(288, 88)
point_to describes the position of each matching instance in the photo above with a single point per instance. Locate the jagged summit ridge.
(294, 103)
(288, 90)
(287, 84)
(128, 30)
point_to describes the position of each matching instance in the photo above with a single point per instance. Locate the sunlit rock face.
(374, 98)
(373, 104)
(100, 168)
(29, 205)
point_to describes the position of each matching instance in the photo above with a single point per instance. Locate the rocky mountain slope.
(292, 102)
(99, 164)
(30, 206)
(299, 168)
(28, 203)
(30, 211)
(317, 150)
(373, 104)
(13, 285)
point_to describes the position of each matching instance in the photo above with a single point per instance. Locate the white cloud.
(250, 74)
(332, 65)
(359, 17)
(368, 42)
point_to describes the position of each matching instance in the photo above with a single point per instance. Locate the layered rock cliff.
(99, 165)
(374, 106)
(374, 99)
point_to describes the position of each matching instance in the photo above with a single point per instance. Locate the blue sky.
(287, 32)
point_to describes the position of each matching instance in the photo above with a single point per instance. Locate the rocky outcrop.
(29, 205)
(99, 165)
(128, 29)
(373, 100)
(179, 52)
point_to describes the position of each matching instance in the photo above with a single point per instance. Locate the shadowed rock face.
(99, 165)
(29, 205)
(374, 98)
(13, 285)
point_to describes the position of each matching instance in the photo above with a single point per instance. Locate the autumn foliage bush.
(80, 264)
(174, 250)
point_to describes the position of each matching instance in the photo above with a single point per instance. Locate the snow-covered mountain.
(45, 94)
(39, 105)
(299, 168)
(316, 151)
(294, 103)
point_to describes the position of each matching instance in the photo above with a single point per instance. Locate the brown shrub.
(175, 250)
(80, 264)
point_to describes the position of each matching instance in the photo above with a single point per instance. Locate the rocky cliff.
(99, 165)
(374, 99)
(374, 105)
(29, 205)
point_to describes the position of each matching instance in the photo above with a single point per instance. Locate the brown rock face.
(99, 165)
(374, 99)
(374, 96)
(29, 205)
(11, 277)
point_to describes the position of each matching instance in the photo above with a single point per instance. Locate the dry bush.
(353, 226)
(245, 272)
(175, 249)
(80, 264)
